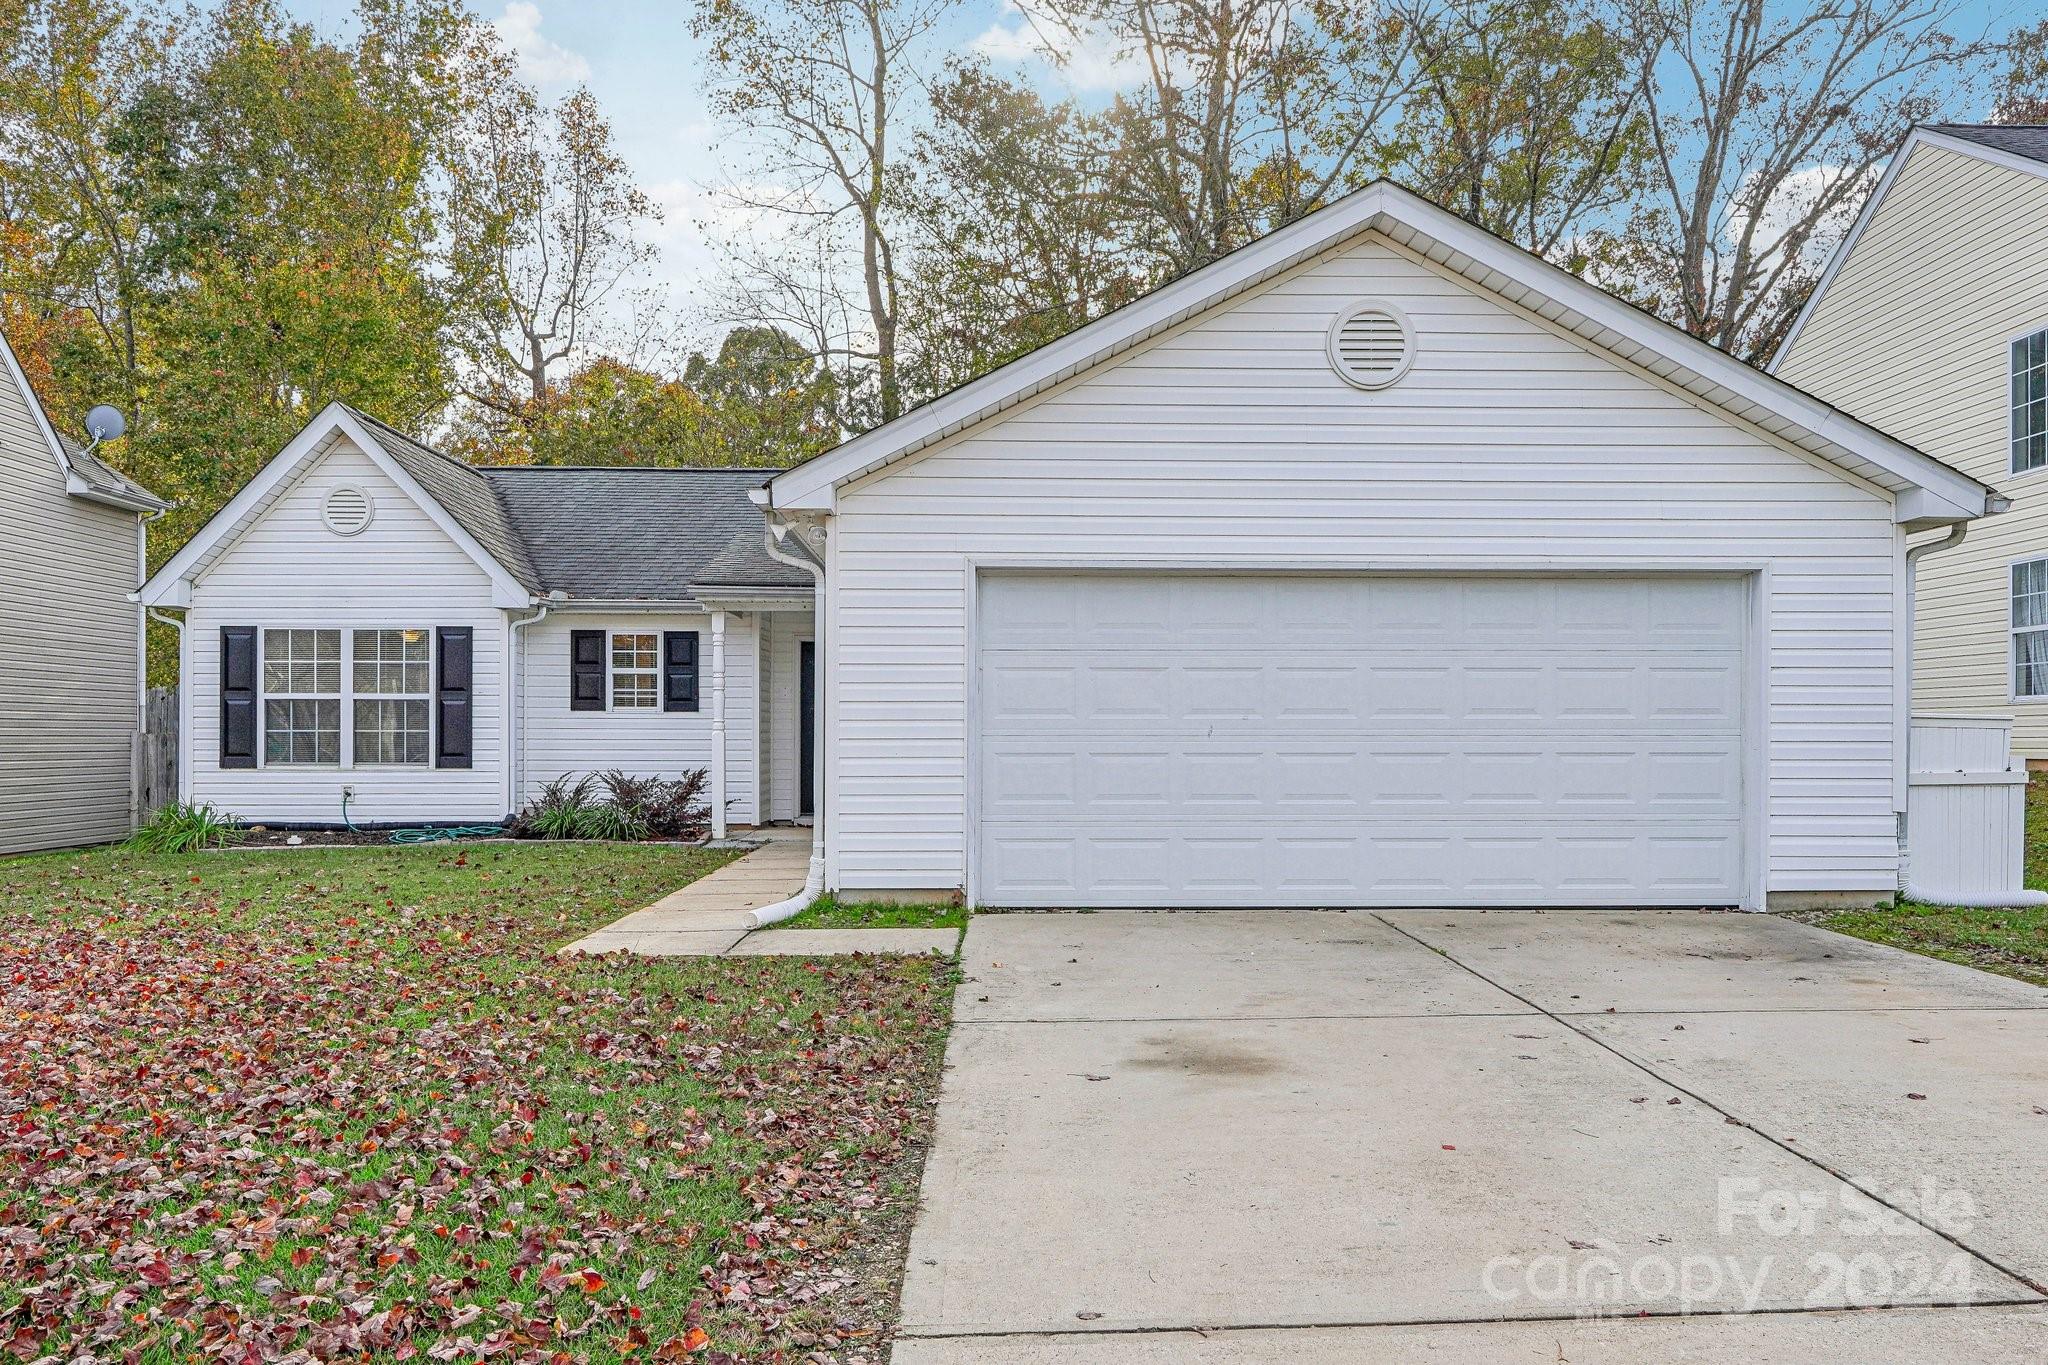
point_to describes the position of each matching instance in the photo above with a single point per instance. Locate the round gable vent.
(347, 510)
(1371, 344)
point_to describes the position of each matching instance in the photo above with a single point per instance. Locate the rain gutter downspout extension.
(814, 879)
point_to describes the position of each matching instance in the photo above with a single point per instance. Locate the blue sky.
(647, 71)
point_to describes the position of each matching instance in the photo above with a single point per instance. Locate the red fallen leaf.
(696, 1339)
(1449, 1148)
(592, 1281)
(156, 1272)
(302, 1257)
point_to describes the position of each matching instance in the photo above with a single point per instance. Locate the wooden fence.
(158, 769)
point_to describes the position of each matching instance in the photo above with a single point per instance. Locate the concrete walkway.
(708, 918)
(1297, 1136)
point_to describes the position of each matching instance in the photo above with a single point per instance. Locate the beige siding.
(1231, 443)
(68, 644)
(1912, 337)
(286, 569)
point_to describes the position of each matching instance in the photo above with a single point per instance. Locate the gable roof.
(84, 473)
(1927, 491)
(566, 533)
(463, 491)
(2016, 146)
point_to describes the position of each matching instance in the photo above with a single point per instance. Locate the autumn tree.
(544, 222)
(1020, 230)
(821, 90)
(1768, 125)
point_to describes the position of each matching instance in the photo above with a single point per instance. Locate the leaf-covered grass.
(829, 912)
(349, 1103)
(2012, 942)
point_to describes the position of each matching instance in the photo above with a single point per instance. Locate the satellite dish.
(105, 423)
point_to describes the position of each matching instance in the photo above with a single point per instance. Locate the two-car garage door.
(1187, 739)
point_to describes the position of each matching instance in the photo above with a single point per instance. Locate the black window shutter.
(586, 670)
(238, 696)
(679, 670)
(455, 645)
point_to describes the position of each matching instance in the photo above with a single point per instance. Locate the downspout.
(1955, 535)
(515, 698)
(814, 880)
(184, 704)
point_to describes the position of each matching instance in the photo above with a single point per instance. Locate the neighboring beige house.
(1931, 323)
(71, 553)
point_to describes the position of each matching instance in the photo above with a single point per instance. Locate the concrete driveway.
(1584, 1136)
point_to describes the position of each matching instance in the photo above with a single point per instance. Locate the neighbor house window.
(2030, 403)
(391, 694)
(636, 671)
(301, 696)
(2030, 629)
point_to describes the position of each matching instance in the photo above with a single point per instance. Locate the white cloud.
(1783, 209)
(1091, 60)
(541, 59)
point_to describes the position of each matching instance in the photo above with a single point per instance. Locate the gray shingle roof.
(464, 493)
(631, 534)
(102, 477)
(611, 534)
(2020, 139)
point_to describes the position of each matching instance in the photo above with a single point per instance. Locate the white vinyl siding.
(287, 571)
(1914, 336)
(69, 646)
(1231, 442)
(644, 742)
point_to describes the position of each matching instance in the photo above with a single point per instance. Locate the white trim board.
(1926, 491)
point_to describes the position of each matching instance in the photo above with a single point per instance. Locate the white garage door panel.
(1153, 740)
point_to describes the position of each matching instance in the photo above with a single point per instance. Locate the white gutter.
(814, 879)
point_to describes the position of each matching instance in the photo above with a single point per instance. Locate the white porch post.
(718, 725)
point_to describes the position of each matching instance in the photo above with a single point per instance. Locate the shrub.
(630, 808)
(557, 813)
(179, 828)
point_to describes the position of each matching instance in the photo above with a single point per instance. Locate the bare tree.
(824, 86)
(544, 220)
(1769, 124)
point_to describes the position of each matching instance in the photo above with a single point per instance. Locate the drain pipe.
(814, 879)
(2003, 900)
(184, 702)
(515, 697)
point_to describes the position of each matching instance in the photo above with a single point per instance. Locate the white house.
(1931, 321)
(375, 629)
(1377, 563)
(72, 534)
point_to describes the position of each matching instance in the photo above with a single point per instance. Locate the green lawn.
(349, 1102)
(829, 912)
(2014, 942)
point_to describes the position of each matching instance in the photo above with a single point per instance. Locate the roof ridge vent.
(1371, 344)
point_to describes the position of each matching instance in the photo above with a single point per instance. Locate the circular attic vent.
(347, 510)
(1371, 344)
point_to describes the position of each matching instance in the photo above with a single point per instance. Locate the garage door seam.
(1783, 1146)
